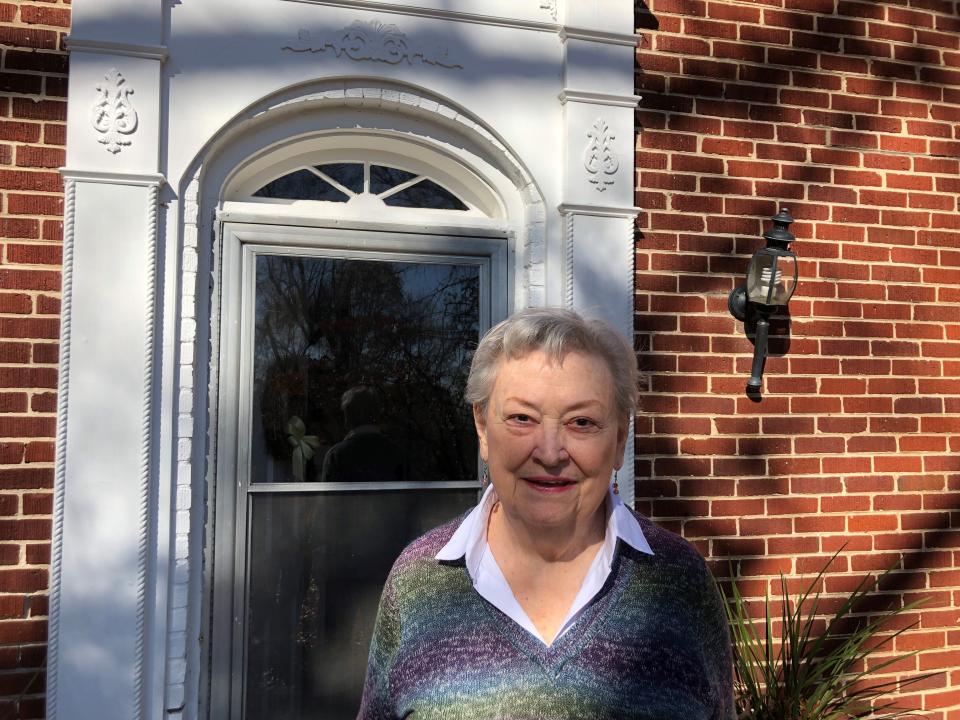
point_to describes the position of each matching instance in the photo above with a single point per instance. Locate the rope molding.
(66, 303)
(146, 455)
(568, 264)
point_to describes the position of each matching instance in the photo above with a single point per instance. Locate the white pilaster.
(598, 186)
(103, 579)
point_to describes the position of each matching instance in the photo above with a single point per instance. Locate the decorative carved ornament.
(599, 159)
(373, 41)
(113, 115)
(551, 6)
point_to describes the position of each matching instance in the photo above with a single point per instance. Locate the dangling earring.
(616, 485)
(484, 477)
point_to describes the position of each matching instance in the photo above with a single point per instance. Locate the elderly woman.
(550, 599)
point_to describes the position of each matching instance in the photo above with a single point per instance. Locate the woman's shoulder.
(425, 547)
(669, 547)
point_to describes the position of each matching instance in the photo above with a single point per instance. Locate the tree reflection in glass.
(344, 348)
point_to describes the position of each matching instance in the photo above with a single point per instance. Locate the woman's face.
(551, 435)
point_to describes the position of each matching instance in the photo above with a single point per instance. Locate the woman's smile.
(549, 485)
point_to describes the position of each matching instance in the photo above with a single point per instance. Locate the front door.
(344, 371)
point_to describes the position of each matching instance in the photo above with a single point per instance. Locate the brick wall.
(847, 113)
(33, 83)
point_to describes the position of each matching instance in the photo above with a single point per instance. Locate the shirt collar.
(470, 539)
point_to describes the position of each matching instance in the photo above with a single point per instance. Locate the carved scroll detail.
(373, 41)
(113, 115)
(599, 159)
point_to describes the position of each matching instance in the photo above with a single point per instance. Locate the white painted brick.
(181, 547)
(178, 619)
(181, 571)
(179, 598)
(177, 667)
(175, 699)
(190, 260)
(184, 450)
(188, 329)
(184, 474)
(184, 497)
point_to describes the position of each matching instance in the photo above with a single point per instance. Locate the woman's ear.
(480, 422)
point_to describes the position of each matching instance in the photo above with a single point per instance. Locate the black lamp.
(771, 280)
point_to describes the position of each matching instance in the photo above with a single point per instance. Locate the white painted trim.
(240, 212)
(59, 482)
(148, 431)
(113, 178)
(106, 47)
(599, 210)
(568, 236)
(432, 13)
(573, 33)
(595, 98)
(598, 36)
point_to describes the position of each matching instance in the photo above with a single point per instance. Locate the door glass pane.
(317, 566)
(360, 368)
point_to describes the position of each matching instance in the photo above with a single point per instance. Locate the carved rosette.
(113, 115)
(599, 159)
(373, 41)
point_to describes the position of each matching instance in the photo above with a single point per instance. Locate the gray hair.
(554, 332)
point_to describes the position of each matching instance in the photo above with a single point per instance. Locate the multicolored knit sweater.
(652, 645)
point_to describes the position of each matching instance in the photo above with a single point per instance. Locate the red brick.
(38, 109)
(42, 157)
(28, 38)
(22, 279)
(34, 205)
(13, 402)
(30, 180)
(20, 131)
(17, 227)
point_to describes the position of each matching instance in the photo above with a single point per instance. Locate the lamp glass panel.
(772, 277)
(762, 271)
(787, 268)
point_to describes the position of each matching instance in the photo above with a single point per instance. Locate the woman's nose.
(550, 449)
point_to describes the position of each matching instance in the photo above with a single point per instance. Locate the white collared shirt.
(470, 542)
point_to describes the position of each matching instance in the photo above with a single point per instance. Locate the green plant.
(802, 673)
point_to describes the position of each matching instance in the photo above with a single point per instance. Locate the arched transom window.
(347, 182)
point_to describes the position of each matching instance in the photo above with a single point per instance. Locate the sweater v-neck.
(552, 658)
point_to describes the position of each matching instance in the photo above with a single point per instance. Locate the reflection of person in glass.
(550, 599)
(365, 454)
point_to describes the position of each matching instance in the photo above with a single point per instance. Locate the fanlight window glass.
(345, 182)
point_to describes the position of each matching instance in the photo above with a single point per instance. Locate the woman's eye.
(583, 423)
(520, 417)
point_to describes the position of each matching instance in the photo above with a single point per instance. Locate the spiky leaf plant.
(803, 674)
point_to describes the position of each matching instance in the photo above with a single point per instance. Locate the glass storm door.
(352, 439)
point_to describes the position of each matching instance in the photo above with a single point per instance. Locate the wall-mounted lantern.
(771, 280)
